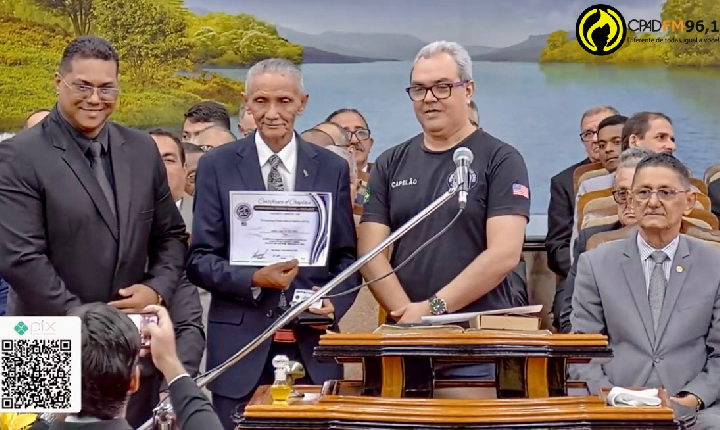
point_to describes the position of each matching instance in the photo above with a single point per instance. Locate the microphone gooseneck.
(462, 157)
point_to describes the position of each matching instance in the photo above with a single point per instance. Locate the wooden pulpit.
(399, 389)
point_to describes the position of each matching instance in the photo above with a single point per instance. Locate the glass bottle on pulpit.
(280, 389)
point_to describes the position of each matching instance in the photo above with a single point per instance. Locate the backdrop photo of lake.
(534, 107)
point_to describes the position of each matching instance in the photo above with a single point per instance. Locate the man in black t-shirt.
(463, 270)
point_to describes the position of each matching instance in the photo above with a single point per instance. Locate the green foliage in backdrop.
(162, 46)
(659, 51)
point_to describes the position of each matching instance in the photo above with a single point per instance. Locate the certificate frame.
(303, 218)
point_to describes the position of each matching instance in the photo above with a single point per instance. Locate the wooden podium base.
(334, 407)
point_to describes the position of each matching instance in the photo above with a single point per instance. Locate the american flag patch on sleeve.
(520, 190)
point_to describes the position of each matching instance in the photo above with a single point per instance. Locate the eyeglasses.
(621, 196)
(108, 94)
(361, 134)
(587, 135)
(439, 91)
(663, 194)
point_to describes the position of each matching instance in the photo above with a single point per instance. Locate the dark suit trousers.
(230, 410)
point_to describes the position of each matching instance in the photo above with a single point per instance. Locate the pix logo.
(42, 328)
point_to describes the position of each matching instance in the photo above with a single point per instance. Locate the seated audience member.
(473, 114)
(110, 351)
(350, 158)
(609, 144)
(35, 118)
(192, 156)
(213, 136)
(359, 134)
(203, 115)
(317, 137)
(4, 287)
(339, 135)
(656, 295)
(623, 178)
(714, 194)
(246, 122)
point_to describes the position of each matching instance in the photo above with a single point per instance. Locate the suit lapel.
(248, 164)
(123, 181)
(632, 268)
(79, 164)
(307, 166)
(675, 284)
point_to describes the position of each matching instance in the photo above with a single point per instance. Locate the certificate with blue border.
(268, 227)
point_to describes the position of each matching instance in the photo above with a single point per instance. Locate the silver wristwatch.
(437, 305)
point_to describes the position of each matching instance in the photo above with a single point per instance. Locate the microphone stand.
(163, 414)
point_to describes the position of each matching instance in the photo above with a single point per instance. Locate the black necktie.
(99, 171)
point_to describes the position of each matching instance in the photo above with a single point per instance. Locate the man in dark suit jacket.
(714, 194)
(622, 183)
(561, 211)
(103, 402)
(85, 202)
(245, 299)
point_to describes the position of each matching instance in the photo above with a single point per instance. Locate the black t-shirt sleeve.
(508, 185)
(376, 207)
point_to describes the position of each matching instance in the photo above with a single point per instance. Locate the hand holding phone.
(141, 321)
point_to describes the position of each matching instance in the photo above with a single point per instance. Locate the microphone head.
(463, 154)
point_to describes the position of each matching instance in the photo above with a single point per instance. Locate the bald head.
(214, 136)
(34, 118)
(338, 134)
(317, 137)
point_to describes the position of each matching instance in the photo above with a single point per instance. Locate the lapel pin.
(679, 269)
(305, 173)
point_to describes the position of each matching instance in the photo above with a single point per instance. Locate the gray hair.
(598, 109)
(6, 136)
(274, 65)
(631, 157)
(455, 50)
(349, 157)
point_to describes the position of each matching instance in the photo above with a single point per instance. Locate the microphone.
(462, 158)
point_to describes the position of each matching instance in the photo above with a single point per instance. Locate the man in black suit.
(109, 375)
(562, 197)
(714, 194)
(87, 215)
(247, 300)
(185, 309)
(622, 183)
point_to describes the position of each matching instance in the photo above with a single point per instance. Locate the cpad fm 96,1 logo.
(601, 29)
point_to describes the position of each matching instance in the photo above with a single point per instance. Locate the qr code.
(35, 374)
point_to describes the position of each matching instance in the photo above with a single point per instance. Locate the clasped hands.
(279, 276)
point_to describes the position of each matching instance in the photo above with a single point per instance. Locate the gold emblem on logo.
(599, 20)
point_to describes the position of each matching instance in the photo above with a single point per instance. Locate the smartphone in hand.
(141, 320)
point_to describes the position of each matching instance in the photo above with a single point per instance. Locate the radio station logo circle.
(243, 211)
(600, 29)
(453, 182)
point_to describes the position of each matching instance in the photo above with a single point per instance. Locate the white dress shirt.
(287, 169)
(288, 156)
(648, 264)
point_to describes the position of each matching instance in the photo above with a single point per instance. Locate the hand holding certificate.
(269, 227)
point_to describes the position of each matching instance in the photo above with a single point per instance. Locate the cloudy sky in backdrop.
(497, 23)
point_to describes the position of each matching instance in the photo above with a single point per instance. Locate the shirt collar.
(646, 250)
(82, 140)
(287, 155)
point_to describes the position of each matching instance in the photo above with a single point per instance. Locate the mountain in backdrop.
(314, 55)
(527, 51)
(380, 46)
